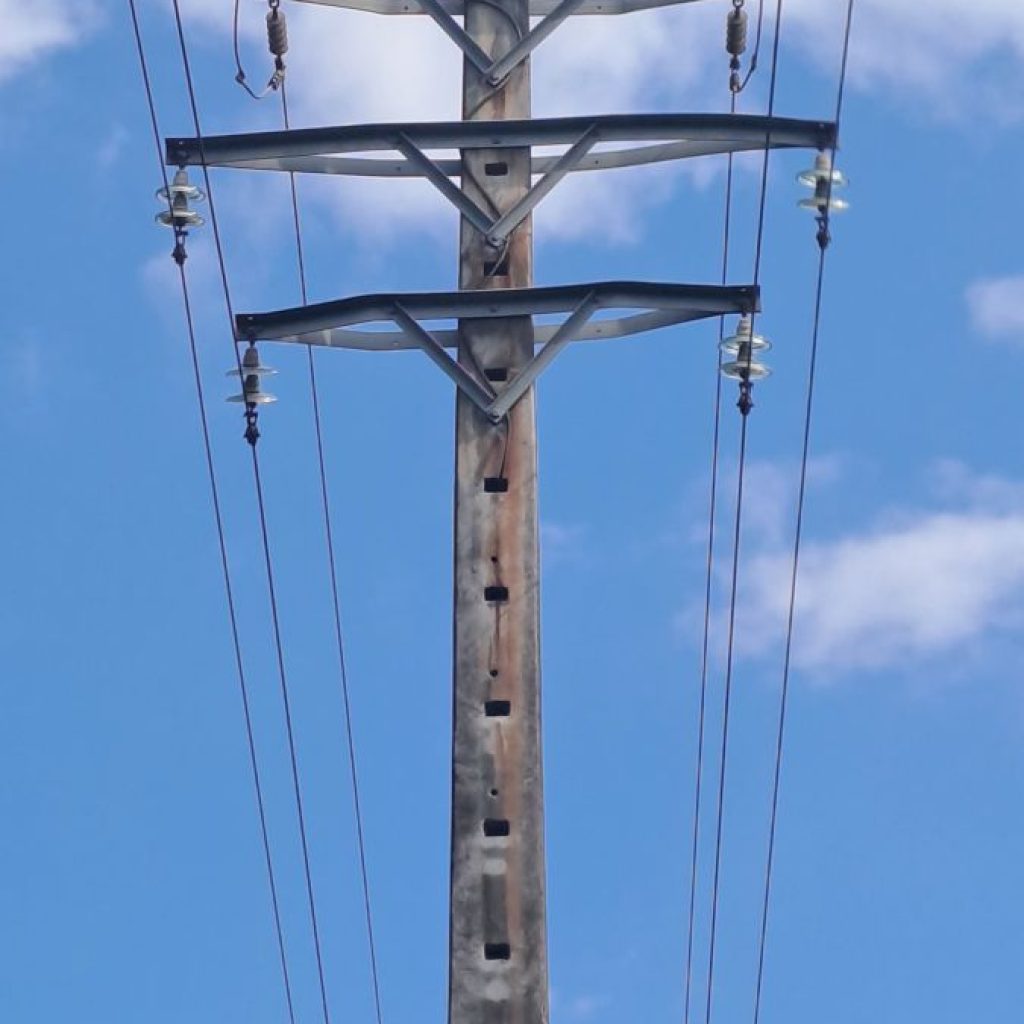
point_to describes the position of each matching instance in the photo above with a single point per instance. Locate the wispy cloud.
(920, 583)
(33, 29)
(941, 57)
(996, 307)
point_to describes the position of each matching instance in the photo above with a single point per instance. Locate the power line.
(745, 406)
(798, 531)
(708, 580)
(268, 560)
(335, 596)
(222, 544)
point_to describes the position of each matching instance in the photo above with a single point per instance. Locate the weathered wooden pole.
(498, 937)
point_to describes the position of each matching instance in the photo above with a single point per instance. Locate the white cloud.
(405, 69)
(996, 306)
(941, 54)
(347, 66)
(923, 583)
(32, 29)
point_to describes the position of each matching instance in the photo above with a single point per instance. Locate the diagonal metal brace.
(496, 406)
(564, 165)
(498, 229)
(496, 71)
(480, 219)
(482, 395)
(566, 333)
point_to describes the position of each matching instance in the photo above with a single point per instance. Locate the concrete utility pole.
(498, 932)
(498, 936)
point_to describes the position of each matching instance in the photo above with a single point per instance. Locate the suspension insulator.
(277, 32)
(736, 32)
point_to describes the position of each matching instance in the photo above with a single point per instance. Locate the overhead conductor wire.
(735, 87)
(219, 523)
(734, 577)
(708, 578)
(798, 532)
(268, 561)
(335, 596)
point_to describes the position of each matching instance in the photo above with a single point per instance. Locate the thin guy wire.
(335, 596)
(733, 588)
(257, 479)
(798, 534)
(219, 522)
(713, 504)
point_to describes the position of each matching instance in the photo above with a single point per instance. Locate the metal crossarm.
(551, 14)
(654, 137)
(338, 324)
(457, 8)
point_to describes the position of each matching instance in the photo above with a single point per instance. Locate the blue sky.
(133, 886)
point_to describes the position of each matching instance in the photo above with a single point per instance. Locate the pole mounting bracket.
(647, 306)
(588, 143)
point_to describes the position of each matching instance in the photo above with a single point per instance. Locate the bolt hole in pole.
(496, 484)
(497, 827)
(497, 951)
(496, 594)
(497, 708)
(496, 170)
(498, 373)
(496, 268)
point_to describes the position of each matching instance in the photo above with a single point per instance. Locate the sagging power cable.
(708, 584)
(335, 590)
(179, 259)
(745, 405)
(264, 532)
(823, 239)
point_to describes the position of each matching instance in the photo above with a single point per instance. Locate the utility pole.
(497, 934)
